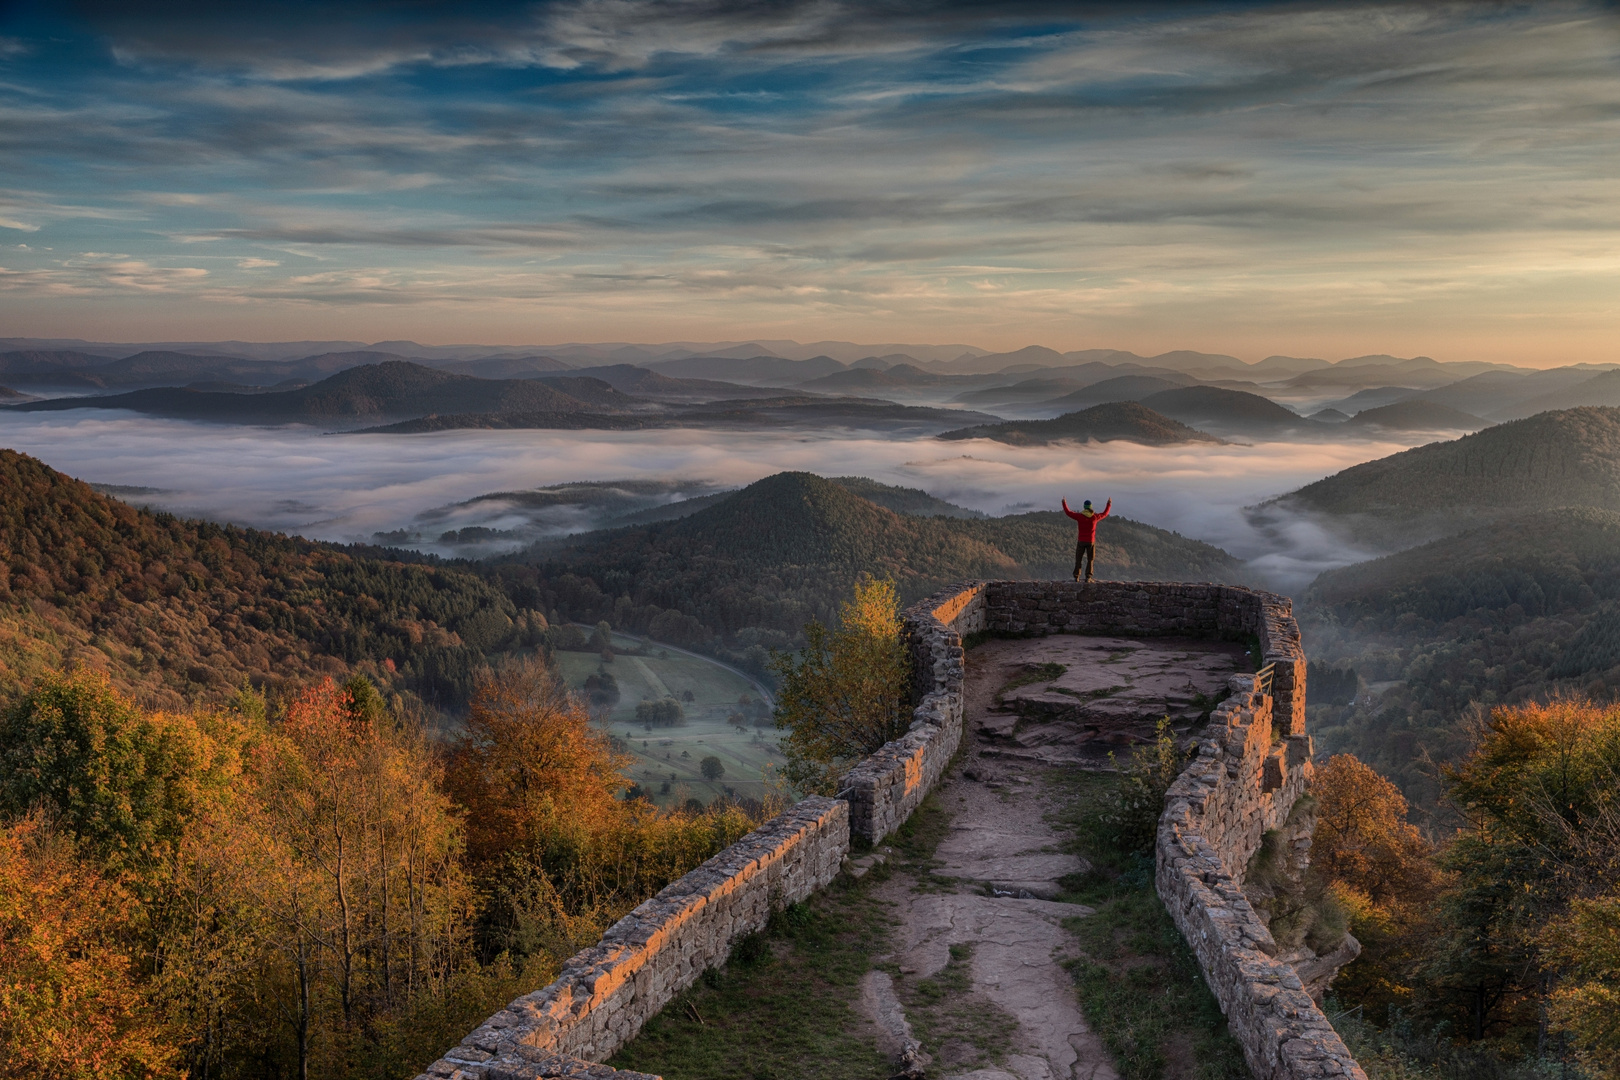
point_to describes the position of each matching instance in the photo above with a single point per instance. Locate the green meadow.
(672, 756)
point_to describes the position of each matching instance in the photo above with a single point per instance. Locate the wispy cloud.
(1007, 173)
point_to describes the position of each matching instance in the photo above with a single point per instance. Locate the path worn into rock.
(1005, 860)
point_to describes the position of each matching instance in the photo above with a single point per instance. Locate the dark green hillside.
(1126, 421)
(369, 392)
(1236, 410)
(1416, 415)
(1545, 562)
(1515, 610)
(178, 610)
(1569, 458)
(748, 571)
(903, 500)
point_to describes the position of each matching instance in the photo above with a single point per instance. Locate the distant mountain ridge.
(1125, 421)
(372, 392)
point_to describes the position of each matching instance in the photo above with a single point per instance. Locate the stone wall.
(1243, 781)
(1252, 765)
(886, 787)
(1239, 785)
(607, 992)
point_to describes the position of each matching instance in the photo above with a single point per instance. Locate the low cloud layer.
(350, 487)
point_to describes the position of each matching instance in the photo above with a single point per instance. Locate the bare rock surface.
(1004, 857)
(1110, 693)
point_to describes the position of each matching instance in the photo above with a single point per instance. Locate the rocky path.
(1003, 861)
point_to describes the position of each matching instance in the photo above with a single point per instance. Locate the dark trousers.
(1087, 554)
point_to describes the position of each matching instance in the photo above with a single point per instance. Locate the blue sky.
(1322, 180)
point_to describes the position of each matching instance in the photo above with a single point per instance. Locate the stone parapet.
(607, 992)
(1216, 815)
(885, 788)
(1252, 765)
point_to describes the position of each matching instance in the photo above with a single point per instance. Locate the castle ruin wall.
(1242, 782)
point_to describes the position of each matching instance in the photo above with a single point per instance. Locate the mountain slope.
(1567, 458)
(1119, 388)
(1232, 410)
(1601, 389)
(903, 500)
(1551, 561)
(1416, 415)
(179, 610)
(396, 388)
(1125, 421)
(755, 566)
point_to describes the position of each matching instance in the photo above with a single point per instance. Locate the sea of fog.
(349, 487)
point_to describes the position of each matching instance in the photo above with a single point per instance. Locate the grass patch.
(1138, 983)
(962, 1030)
(1034, 673)
(784, 1007)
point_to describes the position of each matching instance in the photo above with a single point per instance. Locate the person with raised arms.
(1085, 548)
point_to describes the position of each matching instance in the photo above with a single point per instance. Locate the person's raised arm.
(1071, 513)
(1109, 505)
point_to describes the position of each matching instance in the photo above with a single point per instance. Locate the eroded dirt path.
(982, 921)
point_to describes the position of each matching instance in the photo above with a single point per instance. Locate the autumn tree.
(528, 751)
(71, 1005)
(355, 863)
(1539, 855)
(1382, 872)
(846, 693)
(122, 781)
(1363, 839)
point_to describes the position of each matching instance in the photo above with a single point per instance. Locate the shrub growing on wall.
(846, 693)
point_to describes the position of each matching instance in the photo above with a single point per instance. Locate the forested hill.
(1548, 562)
(181, 610)
(1566, 458)
(1493, 616)
(751, 569)
(1124, 421)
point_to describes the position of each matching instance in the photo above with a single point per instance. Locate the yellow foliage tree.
(847, 693)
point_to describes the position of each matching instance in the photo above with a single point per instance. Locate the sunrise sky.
(1312, 180)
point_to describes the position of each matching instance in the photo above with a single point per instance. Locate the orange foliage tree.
(70, 1003)
(1381, 871)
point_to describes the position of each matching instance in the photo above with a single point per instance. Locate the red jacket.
(1088, 521)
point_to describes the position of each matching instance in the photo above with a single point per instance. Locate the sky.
(1322, 180)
